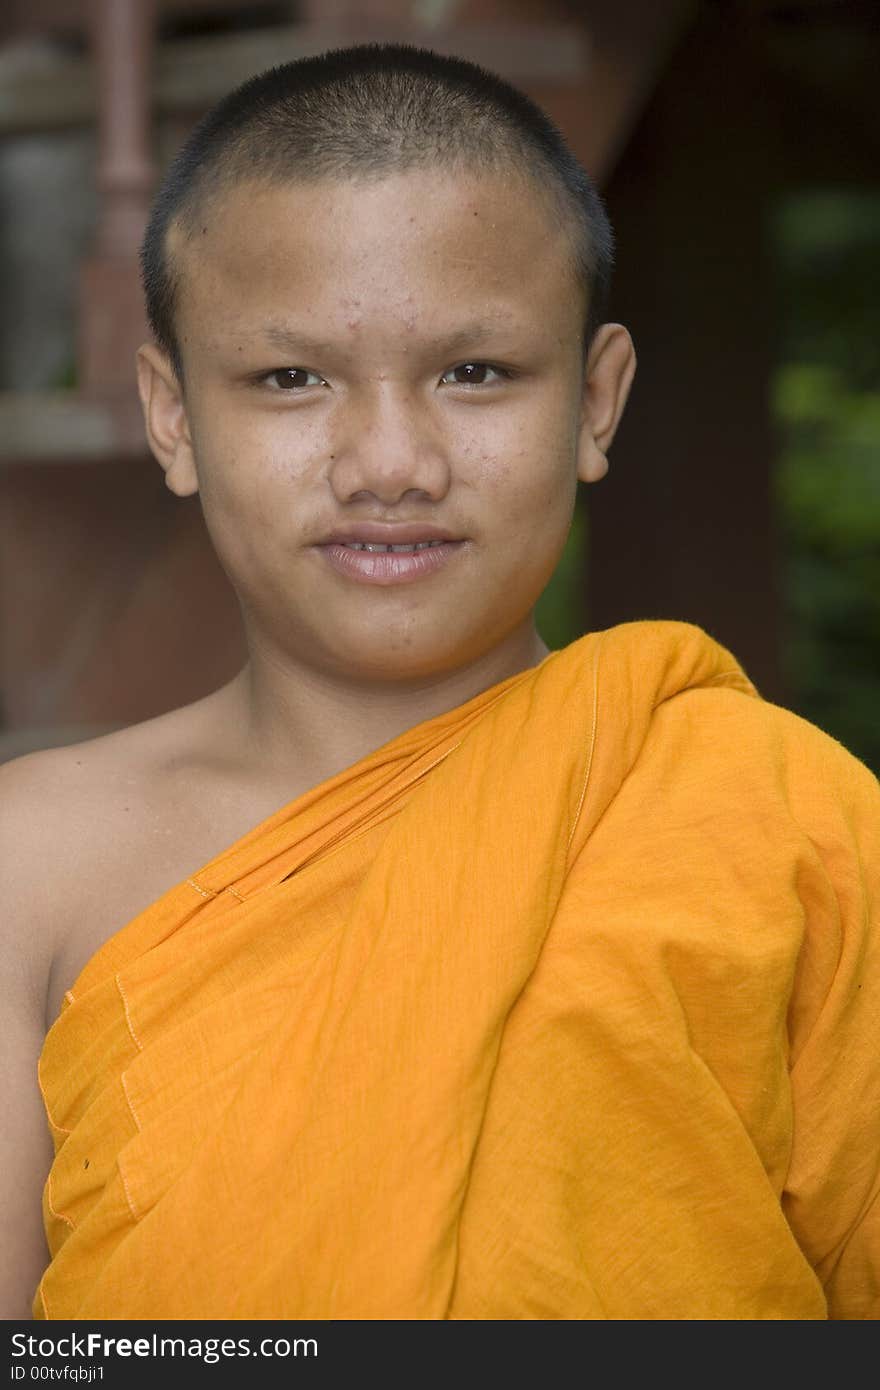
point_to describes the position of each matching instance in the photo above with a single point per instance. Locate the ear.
(165, 419)
(608, 375)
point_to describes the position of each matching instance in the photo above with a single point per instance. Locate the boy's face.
(326, 332)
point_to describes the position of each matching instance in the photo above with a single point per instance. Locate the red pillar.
(111, 318)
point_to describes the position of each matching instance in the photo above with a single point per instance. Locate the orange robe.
(561, 1005)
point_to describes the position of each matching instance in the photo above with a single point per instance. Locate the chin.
(393, 658)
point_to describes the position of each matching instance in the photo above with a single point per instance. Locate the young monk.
(421, 972)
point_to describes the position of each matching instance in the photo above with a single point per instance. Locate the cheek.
(527, 478)
(253, 467)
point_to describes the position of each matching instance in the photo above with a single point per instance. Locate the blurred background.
(737, 146)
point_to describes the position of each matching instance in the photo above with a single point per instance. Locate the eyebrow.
(290, 339)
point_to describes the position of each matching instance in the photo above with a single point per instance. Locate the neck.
(304, 726)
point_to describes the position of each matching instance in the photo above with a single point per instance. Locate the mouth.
(374, 548)
(401, 537)
(372, 561)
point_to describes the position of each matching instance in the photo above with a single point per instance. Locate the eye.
(292, 379)
(474, 374)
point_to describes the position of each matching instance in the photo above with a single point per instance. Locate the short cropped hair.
(364, 112)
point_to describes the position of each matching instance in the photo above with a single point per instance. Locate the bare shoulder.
(80, 826)
(58, 804)
(35, 844)
(95, 832)
(39, 815)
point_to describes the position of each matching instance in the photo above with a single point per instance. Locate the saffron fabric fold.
(561, 1005)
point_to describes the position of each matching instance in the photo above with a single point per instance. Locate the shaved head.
(362, 113)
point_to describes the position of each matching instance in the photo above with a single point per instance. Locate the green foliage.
(559, 613)
(826, 400)
(66, 378)
(828, 478)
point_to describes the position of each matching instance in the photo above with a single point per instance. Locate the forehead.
(412, 249)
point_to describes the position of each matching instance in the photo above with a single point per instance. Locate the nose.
(387, 445)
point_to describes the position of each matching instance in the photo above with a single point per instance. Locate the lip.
(388, 567)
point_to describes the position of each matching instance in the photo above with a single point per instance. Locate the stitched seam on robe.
(134, 1037)
(588, 769)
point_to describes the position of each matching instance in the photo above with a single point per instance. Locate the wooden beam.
(65, 426)
(112, 320)
(191, 74)
(630, 44)
(28, 17)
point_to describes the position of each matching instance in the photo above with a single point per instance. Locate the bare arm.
(26, 946)
(25, 1156)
